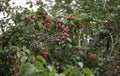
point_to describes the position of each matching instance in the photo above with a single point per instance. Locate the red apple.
(59, 23)
(29, 18)
(37, 37)
(57, 64)
(1, 6)
(17, 74)
(57, 67)
(17, 67)
(71, 18)
(34, 46)
(92, 56)
(66, 28)
(118, 66)
(50, 20)
(115, 72)
(1, 42)
(81, 49)
(38, 2)
(45, 54)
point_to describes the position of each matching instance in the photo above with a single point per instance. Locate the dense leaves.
(70, 38)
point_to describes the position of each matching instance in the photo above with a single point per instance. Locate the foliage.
(71, 38)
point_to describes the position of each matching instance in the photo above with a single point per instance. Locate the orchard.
(62, 38)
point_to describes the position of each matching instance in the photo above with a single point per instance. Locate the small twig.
(112, 43)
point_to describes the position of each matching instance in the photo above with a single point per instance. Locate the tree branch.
(112, 43)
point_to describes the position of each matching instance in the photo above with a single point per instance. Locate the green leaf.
(87, 71)
(69, 39)
(40, 69)
(41, 59)
(52, 70)
(72, 71)
(69, 69)
(23, 59)
(39, 66)
(20, 53)
(61, 74)
(26, 50)
(27, 69)
(31, 5)
(75, 73)
(73, 23)
(38, 25)
(80, 64)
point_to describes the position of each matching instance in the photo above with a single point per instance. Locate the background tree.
(71, 37)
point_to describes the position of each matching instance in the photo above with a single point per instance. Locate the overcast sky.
(17, 2)
(23, 4)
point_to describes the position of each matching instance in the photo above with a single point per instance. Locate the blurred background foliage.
(33, 40)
